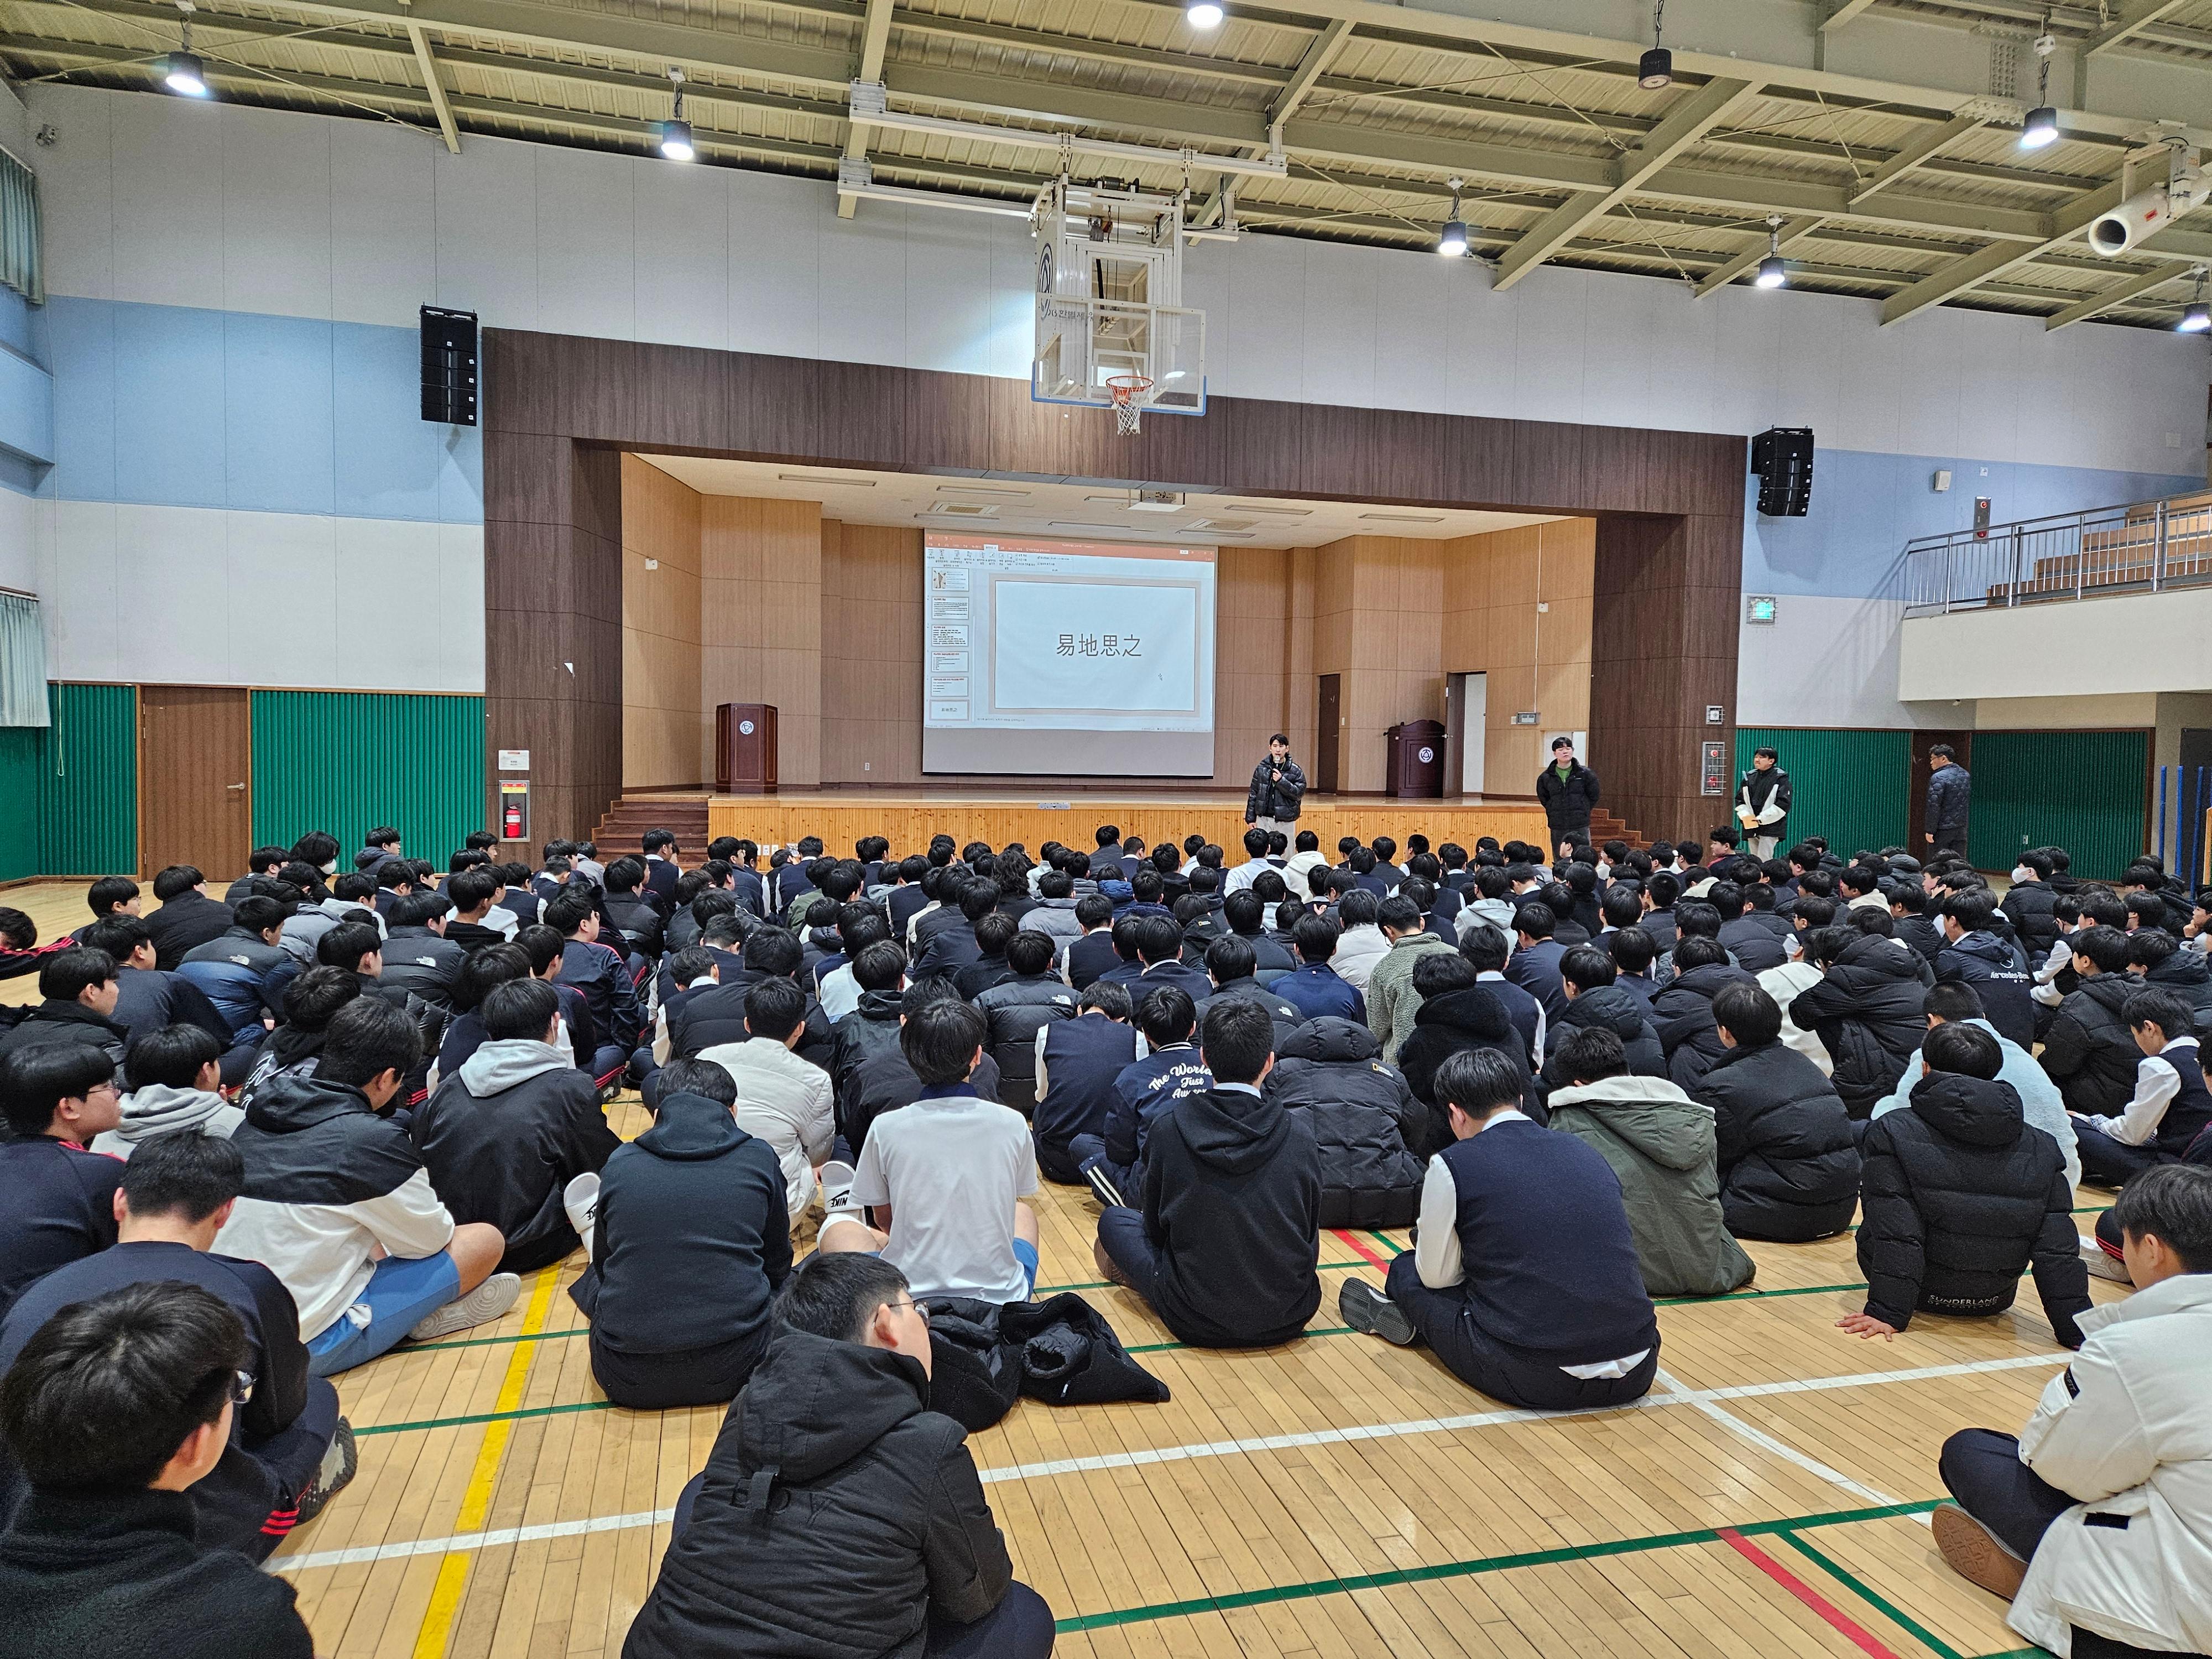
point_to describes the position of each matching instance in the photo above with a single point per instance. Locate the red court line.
(1804, 1592)
(1359, 1249)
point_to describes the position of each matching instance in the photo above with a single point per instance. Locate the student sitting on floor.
(1113, 1161)
(288, 1451)
(147, 998)
(689, 1235)
(56, 1197)
(1960, 1195)
(1789, 1161)
(1315, 988)
(78, 991)
(1078, 1061)
(338, 1205)
(946, 1174)
(1663, 1146)
(2170, 1107)
(115, 1410)
(1364, 1117)
(243, 974)
(504, 1135)
(2096, 1522)
(860, 1529)
(1226, 1243)
(782, 1099)
(174, 1080)
(1505, 1311)
(2041, 1102)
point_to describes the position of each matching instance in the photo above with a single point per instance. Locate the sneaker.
(2103, 1266)
(339, 1465)
(1106, 1192)
(1364, 1308)
(1976, 1553)
(479, 1307)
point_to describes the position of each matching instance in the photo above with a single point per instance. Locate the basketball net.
(1128, 391)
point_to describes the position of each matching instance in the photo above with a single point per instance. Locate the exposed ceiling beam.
(1925, 148)
(421, 42)
(1794, 232)
(1841, 11)
(1308, 73)
(1685, 122)
(2135, 16)
(1962, 274)
(875, 37)
(2119, 294)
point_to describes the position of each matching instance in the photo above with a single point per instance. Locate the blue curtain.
(20, 266)
(22, 662)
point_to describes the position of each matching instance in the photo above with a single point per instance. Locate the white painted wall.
(2138, 642)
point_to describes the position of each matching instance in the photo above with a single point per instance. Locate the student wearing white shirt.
(1256, 861)
(782, 1099)
(2170, 1107)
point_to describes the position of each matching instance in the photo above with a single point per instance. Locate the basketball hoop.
(1128, 391)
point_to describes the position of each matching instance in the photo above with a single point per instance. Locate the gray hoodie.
(1055, 917)
(499, 1065)
(158, 1109)
(1478, 912)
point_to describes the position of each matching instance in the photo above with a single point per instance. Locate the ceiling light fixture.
(2041, 126)
(182, 72)
(1656, 69)
(1452, 244)
(1773, 270)
(2198, 319)
(1203, 13)
(675, 132)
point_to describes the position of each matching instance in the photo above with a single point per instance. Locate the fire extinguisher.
(511, 821)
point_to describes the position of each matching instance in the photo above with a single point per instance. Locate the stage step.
(629, 817)
(1604, 827)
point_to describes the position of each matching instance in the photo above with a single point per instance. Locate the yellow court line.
(476, 1500)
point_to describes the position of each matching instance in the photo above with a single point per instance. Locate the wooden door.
(1328, 734)
(195, 779)
(1915, 793)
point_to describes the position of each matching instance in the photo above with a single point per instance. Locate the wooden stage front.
(1033, 819)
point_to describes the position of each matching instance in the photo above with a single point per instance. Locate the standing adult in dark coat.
(1789, 1163)
(1869, 1009)
(1364, 1120)
(1961, 1195)
(1950, 791)
(1568, 792)
(1278, 789)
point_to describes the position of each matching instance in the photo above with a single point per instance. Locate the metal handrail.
(2136, 547)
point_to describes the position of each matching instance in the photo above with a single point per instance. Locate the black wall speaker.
(1782, 458)
(449, 366)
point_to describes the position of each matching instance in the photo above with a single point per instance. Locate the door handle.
(234, 785)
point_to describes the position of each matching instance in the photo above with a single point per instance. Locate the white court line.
(497, 1537)
(1767, 1443)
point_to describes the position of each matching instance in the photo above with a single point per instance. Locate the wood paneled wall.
(761, 583)
(871, 654)
(560, 408)
(1536, 659)
(667, 731)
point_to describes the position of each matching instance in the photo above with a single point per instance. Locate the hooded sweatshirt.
(160, 1107)
(502, 1136)
(854, 1511)
(1662, 1144)
(1232, 1207)
(1492, 912)
(1622, 1013)
(328, 1180)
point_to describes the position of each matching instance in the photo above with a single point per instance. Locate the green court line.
(488, 1341)
(1889, 1610)
(485, 1417)
(1231, 1602)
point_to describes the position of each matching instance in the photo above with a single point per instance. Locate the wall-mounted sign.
(1715, 714)
(1527, 717)
(513, 811)
(1713, 768)
(514, 760)
(1759, 610)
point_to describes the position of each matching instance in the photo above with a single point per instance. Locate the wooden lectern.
(745, 748)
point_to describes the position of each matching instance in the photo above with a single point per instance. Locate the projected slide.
(1066, 656)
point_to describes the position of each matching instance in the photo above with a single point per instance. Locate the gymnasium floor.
(1336, 1496)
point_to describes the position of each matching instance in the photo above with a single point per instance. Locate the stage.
(909, 819)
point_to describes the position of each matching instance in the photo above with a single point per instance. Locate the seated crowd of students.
(330, 1113)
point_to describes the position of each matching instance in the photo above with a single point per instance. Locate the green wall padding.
(21, 747)
(348, 760)
(2083, 791)
(87, 794)
(1849, 786)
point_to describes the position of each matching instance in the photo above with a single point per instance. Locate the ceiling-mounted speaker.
(449, 366)
(1782, 458)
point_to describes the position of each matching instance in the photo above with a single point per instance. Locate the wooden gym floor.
(1334, 1496)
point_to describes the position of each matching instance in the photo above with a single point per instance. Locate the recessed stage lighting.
(1402, 518)
(819, 478)
(982, 489)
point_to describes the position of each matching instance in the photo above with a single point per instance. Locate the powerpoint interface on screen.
(1057, 657)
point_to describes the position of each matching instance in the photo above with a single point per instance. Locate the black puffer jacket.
(1960, 1196)
(1869, 1009)
(870, 1030)
(1623, 1013)
(1469, 1018)
(1789, 1167)
(2089, 1052)
(1684, 1015)
(2189, 978)
(2032, 905)
(855, 1509)
(1015, 1011)
(1364, 1119)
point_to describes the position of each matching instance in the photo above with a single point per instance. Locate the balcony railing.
(2145, 547)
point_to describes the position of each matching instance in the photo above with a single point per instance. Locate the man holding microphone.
(1762, 803)
(1279, 788)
